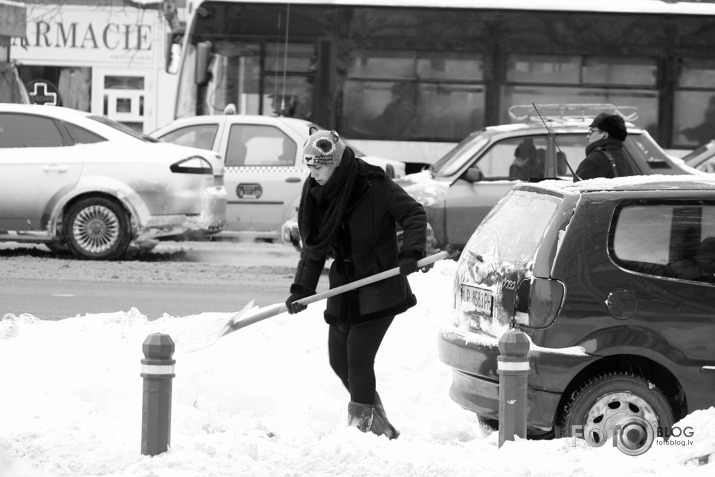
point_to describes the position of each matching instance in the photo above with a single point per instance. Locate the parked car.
(613, 281)
(73, 180)
(702, 158)
(264, 171)
(461, 188)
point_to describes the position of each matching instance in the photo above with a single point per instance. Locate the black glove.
(408, 261)
(297, 292)
(408, 265)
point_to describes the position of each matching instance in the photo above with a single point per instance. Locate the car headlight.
(192, 165)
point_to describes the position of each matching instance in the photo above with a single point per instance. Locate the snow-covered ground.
(264, 402)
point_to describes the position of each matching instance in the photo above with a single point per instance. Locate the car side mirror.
(473, 174)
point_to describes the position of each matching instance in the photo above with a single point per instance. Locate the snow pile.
(263, 401)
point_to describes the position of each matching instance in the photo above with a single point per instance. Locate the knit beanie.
(613, 124)
(323, 148)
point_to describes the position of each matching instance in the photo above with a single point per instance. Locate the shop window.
(410, 95)
(666, 240)
(73, 84)
(694, 114)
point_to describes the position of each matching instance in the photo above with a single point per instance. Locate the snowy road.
(177, 278)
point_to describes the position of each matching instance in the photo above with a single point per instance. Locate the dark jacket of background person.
(605, 138)
(367, 245)
(597, 164)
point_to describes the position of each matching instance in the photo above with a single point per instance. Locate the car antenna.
(551, 135)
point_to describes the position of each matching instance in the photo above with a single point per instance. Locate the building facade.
(105, 59)
(12, 24)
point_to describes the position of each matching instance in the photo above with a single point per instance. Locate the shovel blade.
(250, 316)
(202, 332)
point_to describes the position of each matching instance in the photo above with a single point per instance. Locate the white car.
(73, 180)
(702, 158)
(264, 171)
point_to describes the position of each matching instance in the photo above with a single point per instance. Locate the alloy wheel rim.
(96, 229)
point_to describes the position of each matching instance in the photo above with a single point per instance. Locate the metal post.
(157, 371)
(513, 369)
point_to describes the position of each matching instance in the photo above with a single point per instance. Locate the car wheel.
(621, 403)
(97, 228)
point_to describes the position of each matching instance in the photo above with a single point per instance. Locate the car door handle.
(55, 168)
(293, 179)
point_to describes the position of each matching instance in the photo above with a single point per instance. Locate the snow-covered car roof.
(633, 183)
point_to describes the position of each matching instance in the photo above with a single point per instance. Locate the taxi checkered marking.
(265, 169)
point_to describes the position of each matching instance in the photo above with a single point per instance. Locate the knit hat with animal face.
(323, 148)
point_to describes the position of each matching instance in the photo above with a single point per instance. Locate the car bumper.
(475, 381)
(209, 220)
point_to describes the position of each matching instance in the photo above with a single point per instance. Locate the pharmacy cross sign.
(42, 93)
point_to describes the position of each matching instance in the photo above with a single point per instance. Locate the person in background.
(348, 211)
(604, 153)
(525, 162)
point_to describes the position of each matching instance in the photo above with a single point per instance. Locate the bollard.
(513, 369)
(157, 371)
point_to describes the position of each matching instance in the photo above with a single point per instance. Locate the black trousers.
(352, 356)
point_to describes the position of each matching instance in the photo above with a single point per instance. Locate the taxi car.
(461, 188)
(613, 282)
(73, 180)
(264, 172)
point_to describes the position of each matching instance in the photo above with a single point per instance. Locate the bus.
(409, 79)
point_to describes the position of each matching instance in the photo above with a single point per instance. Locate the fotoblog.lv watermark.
(634, 435)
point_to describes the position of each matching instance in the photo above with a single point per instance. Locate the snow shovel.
(250, 314)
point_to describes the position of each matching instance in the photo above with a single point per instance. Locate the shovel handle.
(368, 280)
(237, 322)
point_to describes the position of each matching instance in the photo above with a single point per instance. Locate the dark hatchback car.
(613, 281)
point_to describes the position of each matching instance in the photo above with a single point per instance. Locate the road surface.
(176, 278)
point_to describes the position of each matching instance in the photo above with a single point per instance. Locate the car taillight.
(192, 165)
(538, 301)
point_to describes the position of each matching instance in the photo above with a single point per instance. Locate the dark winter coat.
(597, 164)
(366, 245)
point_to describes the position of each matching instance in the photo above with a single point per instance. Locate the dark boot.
(360, 415)
(380, 425)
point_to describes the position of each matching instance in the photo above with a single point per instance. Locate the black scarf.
(321, 209)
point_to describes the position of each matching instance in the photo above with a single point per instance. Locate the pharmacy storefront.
(106, 60)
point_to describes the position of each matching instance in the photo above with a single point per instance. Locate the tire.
(58, 248)
(97, 228)
(613, 402)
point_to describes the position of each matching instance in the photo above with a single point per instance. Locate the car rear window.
(82, 135)
(201, 136)
(674, 240)
(513, 230)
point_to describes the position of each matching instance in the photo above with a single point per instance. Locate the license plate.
(481, 298)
